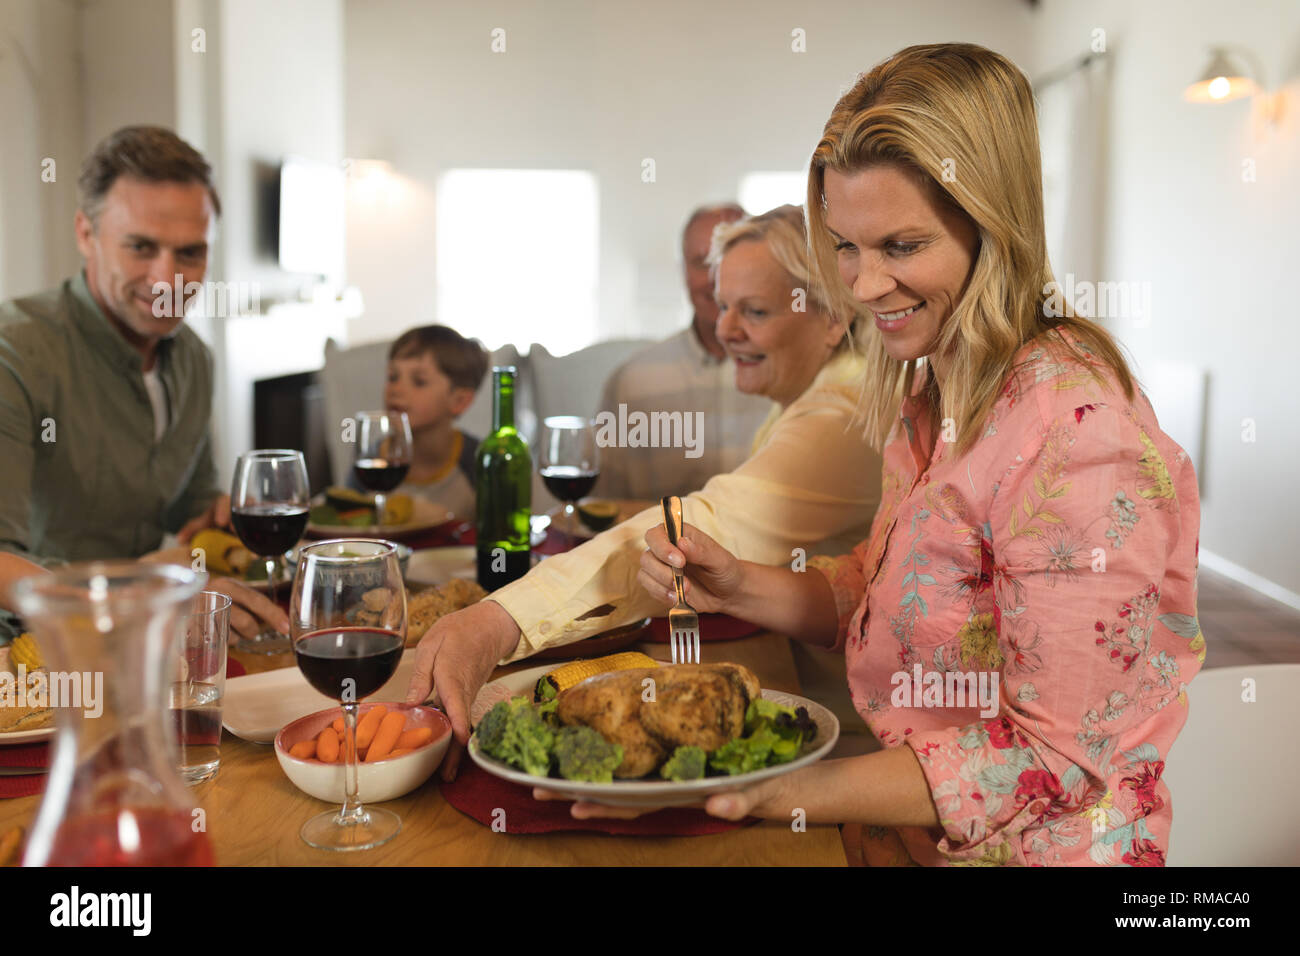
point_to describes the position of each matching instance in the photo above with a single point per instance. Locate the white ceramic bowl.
(376, 782)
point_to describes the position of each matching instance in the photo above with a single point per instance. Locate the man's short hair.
(464, 361)
(151, 153)
(729, 211)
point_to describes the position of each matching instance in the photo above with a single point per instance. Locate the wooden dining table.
(254, 812)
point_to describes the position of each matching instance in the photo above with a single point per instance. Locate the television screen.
(312, 217)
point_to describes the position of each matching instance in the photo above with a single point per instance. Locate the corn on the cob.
(562, 678)
(223, 553)
(24, 651)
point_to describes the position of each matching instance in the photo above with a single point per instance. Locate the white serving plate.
(650, 792)
(256, 706)
(434, 567)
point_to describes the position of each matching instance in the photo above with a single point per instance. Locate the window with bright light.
(760, 192)
(517, 256)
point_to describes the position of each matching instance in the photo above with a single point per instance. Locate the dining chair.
(1234, 771)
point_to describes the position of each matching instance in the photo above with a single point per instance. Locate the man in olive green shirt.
(85, 477)
(105, 393)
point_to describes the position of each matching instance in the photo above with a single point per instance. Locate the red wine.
(365, 655)
(158, 837)
(379, 474)
(269, 529)
(567, 482)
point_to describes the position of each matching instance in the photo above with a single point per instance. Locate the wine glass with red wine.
(348, 624)
(384, 447)
(570, 462)
(269, 502)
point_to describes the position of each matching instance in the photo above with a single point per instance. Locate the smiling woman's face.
(777, 351)
(904, 256)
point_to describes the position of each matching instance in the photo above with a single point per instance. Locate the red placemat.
(713, 627)
(478, 794)
(36, 756)
(234, 668)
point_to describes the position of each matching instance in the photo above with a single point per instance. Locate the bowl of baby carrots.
(399, 746)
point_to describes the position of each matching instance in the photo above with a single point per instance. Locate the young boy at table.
(433, 373)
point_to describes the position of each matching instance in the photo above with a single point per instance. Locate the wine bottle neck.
(503, 401)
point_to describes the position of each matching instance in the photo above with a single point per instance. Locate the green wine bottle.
(504, 485)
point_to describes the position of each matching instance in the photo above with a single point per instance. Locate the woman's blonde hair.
(786, 235)
(961, 118)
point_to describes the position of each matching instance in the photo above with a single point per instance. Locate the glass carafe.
(113, 797)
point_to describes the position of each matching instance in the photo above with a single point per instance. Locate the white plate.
(256, 706)
(434, 567)
(644, 793)
(27, 736)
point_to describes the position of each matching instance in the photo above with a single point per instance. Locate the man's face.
(147, 233)
(695, 249)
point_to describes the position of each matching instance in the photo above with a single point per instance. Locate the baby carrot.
(368, 724)
(411, 739)
(386, 736)
(303, 750)
(396, 753)
(327, 746)
(338, 724)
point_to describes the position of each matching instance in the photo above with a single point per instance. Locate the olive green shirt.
(81, 476)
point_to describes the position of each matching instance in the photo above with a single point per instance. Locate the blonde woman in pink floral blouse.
(1037, 529)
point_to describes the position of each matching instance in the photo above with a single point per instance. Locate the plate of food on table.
(631, 731)
(343, 513)
(25, 714)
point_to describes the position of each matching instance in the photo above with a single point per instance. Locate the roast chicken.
(650, 711)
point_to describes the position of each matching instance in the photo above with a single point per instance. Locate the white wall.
(709, 91)
(1219, 253)
(40, 118)
(281, 69)
(128, 56)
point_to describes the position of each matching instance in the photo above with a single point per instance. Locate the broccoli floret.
(686, 763)
(515, 733)
(583, 754)
(491, 729)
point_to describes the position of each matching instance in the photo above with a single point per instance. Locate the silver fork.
(683, 622)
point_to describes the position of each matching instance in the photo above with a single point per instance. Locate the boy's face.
(418, 387)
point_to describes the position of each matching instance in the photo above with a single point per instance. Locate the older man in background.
(684, 374)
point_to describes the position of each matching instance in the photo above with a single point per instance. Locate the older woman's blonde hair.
(961, 118)
(786, 235)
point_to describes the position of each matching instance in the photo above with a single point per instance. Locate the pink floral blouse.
(1058, 554)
